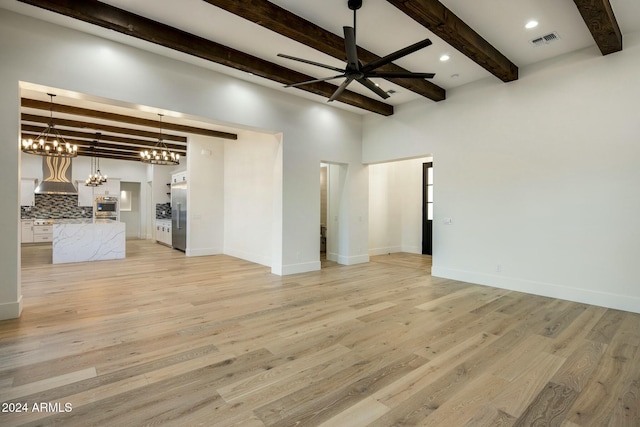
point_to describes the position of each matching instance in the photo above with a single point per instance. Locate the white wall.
(336, 175)
(249, 193)
(395, 207)
(86, 64)
(540, 177)
(385, 209)
(205, 196)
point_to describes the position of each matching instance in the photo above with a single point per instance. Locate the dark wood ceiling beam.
(434, 16)
(100, 151)
(30, 131)
(121, 150)
(133, 25)
(101, 127)
(110, 156)
(275, 18)
(602, 23)
(96, 114)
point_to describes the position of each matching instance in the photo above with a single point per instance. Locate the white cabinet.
(85, 194)
(27, 191)
(179, 177)
(163, 231)
(42, 233)
(109, 188)
(27, 231)
(167, 233)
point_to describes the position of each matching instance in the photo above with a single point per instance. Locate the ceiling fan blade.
(351, 49)
(314, 81)
(372, 86)
(396, 55)
(400, 75)
(306, 61)
(341, 89)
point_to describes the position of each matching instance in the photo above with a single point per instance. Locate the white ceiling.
(382, 29)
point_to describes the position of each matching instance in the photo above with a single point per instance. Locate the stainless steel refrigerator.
(179, 216)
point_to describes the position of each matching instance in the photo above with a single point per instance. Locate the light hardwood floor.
(162, 339)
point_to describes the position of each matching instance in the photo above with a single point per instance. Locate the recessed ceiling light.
(455, 76)
(444, 57)
(531, 24)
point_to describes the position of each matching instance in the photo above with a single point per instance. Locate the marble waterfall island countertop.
(78, 242)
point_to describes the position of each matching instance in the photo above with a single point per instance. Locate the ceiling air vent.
(546, 39)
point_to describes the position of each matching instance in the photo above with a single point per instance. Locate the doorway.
(130, 208)
(324, 191)
(334, 244)
(427, 208)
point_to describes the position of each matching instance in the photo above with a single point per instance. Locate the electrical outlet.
(498, 268)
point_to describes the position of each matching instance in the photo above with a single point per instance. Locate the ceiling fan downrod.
(354, 5)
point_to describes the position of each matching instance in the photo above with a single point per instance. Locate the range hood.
(56, 176)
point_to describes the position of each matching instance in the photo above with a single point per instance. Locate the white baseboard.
(384, 251)
(412, 249)
(298, 268)
(602, 299)
(247, 256)
(348, 260)
(11, 310)
(351, 260)
(203, 251)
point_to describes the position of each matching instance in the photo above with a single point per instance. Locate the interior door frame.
(427, 224)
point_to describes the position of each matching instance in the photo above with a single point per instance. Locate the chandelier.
(49, 142)
(95, 177)
(160, 155)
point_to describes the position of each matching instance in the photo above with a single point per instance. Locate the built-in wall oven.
(105, 207)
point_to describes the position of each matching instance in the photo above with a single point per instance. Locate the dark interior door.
(427, 208)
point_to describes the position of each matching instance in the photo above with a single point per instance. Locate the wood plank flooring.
(162, 339)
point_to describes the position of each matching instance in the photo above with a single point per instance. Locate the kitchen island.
(88, 240)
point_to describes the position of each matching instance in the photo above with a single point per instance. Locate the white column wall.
(539, 176)
(10, 291)
(249, 194)
(82, 63)
(205, 196)
(385, 209)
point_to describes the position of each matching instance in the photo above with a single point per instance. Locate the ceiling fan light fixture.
(363, 73)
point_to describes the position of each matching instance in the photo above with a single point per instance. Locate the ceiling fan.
(355, 70)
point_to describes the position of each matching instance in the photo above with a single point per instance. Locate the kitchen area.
(80, 221)
(76, 222)
(144, 195)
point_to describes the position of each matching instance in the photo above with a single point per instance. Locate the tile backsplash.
(163, 211)
(55, 206)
